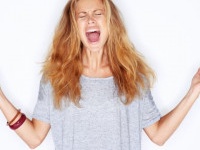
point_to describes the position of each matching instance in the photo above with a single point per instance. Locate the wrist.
(192, 94)
(2, 99)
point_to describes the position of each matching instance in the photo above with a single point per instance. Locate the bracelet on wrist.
(17, 124)
(17, 114)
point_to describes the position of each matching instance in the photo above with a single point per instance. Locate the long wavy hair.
(63, 66)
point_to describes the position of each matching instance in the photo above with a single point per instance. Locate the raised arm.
(32, 132)
(165, 127)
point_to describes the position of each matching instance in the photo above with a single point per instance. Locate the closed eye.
(98, 12)
(82, 15)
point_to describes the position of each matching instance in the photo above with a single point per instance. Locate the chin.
(94, 48)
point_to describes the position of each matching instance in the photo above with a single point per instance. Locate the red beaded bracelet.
(17, 124)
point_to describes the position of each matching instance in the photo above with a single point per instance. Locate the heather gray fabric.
(102, 123)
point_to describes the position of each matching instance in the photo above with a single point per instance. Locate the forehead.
(88, 5)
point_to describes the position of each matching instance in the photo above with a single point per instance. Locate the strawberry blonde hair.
(63, 66)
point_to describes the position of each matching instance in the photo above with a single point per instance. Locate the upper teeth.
(92, 31)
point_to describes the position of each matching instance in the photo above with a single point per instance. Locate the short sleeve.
(42, 108)
(150, 113)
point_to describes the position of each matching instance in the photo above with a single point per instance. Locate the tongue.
(93, 36)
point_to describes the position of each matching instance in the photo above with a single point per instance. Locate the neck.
(93, 60)
(95, 63)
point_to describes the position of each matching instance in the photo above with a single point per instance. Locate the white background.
(166, 32)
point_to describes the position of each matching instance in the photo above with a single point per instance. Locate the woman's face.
(92, 24)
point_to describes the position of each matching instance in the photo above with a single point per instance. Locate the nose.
(91, 19)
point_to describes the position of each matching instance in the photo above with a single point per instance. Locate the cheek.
(80, 27)
(81, 32)
(105, 29)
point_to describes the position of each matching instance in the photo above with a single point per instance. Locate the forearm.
(27, 130)
(160, 131)
(170, 122)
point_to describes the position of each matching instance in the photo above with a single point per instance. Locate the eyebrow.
(99, 9)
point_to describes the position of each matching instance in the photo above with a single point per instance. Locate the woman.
(94, 93)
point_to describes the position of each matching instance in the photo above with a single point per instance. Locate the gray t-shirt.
(102, 122)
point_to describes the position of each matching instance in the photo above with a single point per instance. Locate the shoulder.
(45, 87)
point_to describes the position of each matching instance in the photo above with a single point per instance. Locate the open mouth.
(93, 36)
